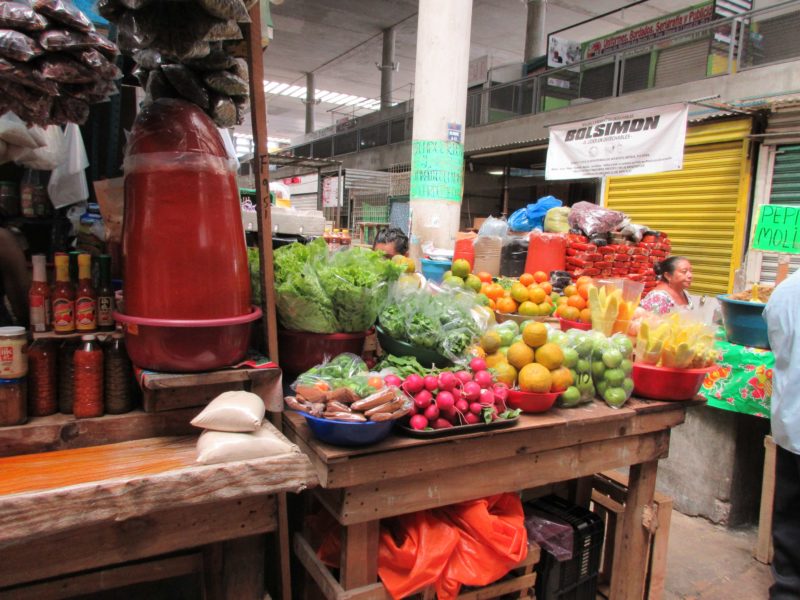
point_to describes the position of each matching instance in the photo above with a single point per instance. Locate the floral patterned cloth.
(742, 381)
(661, 303)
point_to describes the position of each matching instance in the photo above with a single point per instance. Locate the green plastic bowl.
(427, 358)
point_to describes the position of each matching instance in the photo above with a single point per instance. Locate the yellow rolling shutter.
(703, 207)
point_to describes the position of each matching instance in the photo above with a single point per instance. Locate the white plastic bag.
(235, 411)
(50, 155)
(68, 181)
(221, 446)
(14, 132)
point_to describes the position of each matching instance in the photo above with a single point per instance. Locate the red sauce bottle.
(85, 296)
(63, 297)
(88, 360)
(39, 296)
(42, 391)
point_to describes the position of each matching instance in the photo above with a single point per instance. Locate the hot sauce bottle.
(63, 297)
(105, 295)
(39, 296)
(85, 296)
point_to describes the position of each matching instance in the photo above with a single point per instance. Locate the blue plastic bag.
(532, 216)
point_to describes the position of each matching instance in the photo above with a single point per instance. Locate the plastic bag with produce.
(577, 346)
(612, 364)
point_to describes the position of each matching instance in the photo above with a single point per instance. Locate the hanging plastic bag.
(493, 226)
(68, 181)
(49, 156)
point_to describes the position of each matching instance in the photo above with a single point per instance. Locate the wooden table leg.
(243, 568)
(359, 559)
(628, 577)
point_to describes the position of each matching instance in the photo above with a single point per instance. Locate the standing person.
(782, 315)
(675, 278)
(391, 241)
(15, 280)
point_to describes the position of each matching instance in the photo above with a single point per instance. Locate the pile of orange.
(531, 296)
(574, 304)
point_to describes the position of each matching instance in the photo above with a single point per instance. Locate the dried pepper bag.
(20, 16)
(64, 12)
(15, 45)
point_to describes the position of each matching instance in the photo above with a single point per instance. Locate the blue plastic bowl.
(744, 322)
(345, 433)
(434, 269)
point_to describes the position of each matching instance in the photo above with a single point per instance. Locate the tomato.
(376, 382)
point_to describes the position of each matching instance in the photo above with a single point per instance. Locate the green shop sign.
(437, 170)
(778, 229)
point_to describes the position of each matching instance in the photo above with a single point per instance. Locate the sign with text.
(437, 170)
(778, 229)
(330, 192)
(633, 143)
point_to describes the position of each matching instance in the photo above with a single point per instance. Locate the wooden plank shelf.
(52, 335)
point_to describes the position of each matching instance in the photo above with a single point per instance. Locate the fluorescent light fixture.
(338, 98)
(496, 171)
(298, 94)
(269, 86)
(280, 88)
(291, 90)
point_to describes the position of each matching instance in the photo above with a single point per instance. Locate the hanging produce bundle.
(53, 64)
(189, 61)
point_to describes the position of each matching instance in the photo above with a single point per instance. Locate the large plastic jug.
(546, 252)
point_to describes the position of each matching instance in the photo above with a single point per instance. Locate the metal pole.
(310, 102)
(387, 67)
(535, 31)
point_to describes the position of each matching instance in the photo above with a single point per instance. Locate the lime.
(483, 299)
(598, 369)
(583, 366)
(624, 345)
(571, 396)
(570, 357)
(627, 385)
(453, 281)
(615, 396)
(601, 387)
(612, 358)
(614, 377)
(473, 283)
(506, 335)
(626, 366)
(461, 268)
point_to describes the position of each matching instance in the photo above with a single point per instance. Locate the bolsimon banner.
(632, 143)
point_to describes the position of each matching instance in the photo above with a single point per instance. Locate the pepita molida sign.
(778, 229)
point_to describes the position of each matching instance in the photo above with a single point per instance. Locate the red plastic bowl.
(531, 402)
(662, 383)
(187, 345)
(298, 351)
(566, 325)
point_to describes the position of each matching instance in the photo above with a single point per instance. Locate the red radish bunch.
(453, 399)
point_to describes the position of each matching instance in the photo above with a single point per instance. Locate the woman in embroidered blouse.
(675, 277)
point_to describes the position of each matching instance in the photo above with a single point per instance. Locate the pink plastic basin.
(187, 345)
(531, 402)
(301, 350)
(662, 383)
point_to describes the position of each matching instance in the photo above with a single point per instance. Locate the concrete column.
(440, 106)
(387, 67)
(535, 32)
(310, 102)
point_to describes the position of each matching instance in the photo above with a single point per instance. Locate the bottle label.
(63, 315)
(85, 314)
(105, 306)
(38, 312)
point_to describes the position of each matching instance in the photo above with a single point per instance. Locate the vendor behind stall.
(675, 278)
(392, 242)
(15, 280)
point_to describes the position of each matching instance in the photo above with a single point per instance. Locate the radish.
(451, 414)
(423, 399)
(477, 364)
(472, 418)
(414, 384)
(483, 379)
(475, 408)
(393, 380)
(418, 422)
(500, 393)
(463, 376)
(432, 412)
(462, 405)
(471, 391)
(445, 400)
(442, 424)
(431, 382)
(487, 398)
(448, 381)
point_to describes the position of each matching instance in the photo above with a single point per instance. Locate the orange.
(545, 308)
(484, 287)
(519, 354)
(506, 305)
(570, 313)
(586, 316)
(577, 301)
(536, 294)
(562, 379)
(535, 378)
(540, 276)
(584, 280)
(526, 279)
(535, 334)
(492, 304)
(570, 290)
(484, 277)
(550, 356)
(547, 287)
(476, 352)
(583, 290)
(519, 292)
(505, 373)
(562, 300)
(560, 310)
(494, 291)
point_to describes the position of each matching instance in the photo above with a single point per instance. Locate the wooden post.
(359, 559)
(258, 115)
(763, 549)
(783, 268)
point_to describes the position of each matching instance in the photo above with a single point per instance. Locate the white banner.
(633, 143)
(330, 192)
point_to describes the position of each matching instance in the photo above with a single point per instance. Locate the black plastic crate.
(574, 579)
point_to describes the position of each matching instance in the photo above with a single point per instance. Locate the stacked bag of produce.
(235, 430)
(53, 64)
(182, 51)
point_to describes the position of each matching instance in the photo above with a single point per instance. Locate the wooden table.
(66, 513)
(360, 486)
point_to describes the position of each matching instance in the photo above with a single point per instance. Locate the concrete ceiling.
(340, 41)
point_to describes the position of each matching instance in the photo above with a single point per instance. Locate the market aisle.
(709, 562)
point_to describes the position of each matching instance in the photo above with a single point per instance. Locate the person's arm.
(16, 277)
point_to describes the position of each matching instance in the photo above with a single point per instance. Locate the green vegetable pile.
(346, 370)
(331, 294)
(402, 366)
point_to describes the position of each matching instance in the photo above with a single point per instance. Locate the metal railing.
(720, 47)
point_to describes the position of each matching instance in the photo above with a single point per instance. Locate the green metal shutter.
(702, 208)
(785, 189)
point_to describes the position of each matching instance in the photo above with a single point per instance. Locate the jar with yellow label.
(13, 352)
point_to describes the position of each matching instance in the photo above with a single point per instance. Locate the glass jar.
(88, 360)
(66, 376)
(118, 376)
(13, 352)
(42, 381)
(33, 198)
(13, 405)
(9, 199)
